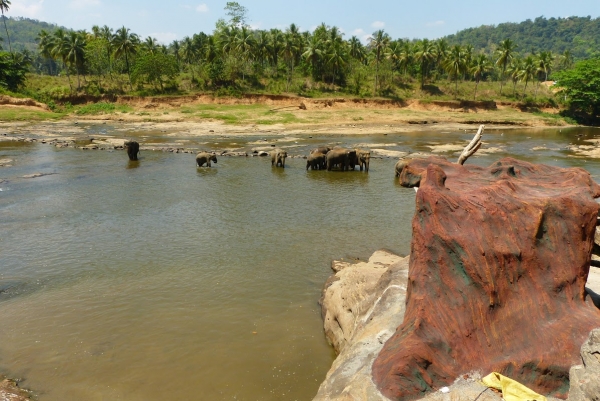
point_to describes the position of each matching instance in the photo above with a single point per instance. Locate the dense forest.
(579, 35)
(234, 58)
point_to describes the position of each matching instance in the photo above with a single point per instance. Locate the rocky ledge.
(362, 305)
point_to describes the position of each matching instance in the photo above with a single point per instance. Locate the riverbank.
(292, 114)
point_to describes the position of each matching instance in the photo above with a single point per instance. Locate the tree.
(581, 87)
(481, 65)
(154, 68)
(237, 13)
(74, 47)
(528, 71)
(378, 43)
(455, 64)
(4, 6)
(125, 45)
(13, 70)
(424, 55)
(505, 53)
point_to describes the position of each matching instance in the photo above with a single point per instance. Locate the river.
(159, 280)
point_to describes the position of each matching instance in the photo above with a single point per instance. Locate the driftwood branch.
(472, 147)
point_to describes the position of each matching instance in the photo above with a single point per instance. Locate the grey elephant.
(205, 158)
(321, 149)
(316, 161)
(133, 148)
(363, 158)
(340, 157)
(278, 157)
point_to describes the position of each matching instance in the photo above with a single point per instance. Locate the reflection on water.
(157, 279)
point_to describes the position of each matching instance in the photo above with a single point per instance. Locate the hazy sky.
(175, 19)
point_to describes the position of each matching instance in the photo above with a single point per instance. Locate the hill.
(23, 32)
(579, 35)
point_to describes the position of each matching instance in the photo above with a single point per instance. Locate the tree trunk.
(476, 83)
(7, 37)
(128, 71)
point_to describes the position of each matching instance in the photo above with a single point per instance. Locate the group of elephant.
(344, 158)
(320, 158)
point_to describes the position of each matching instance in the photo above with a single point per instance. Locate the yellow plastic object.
(511, 390)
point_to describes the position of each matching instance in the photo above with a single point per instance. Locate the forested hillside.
(23, 33)
(579, 35)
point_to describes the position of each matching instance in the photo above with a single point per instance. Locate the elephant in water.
(363, 157)
(133, 148)
(341, 157)
(321, 149)
(205, 157)
(316, 161)
(278, 157)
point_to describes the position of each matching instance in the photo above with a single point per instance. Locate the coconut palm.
(441, 51)
(150, 45)
(74, 49)
(356, 49)
(244, 42)
(261, 47)
(59, 50)
(514, 71)
(189, 54)
(481, 65)
(275, 47)
(45, 44)
(313, 51)
(424, 55)
(455, 64)
(528, 70)
(4, 6)
(505, 53)
(125, 44)
(566, 59)
(378, 42)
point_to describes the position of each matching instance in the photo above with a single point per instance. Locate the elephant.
(363, 157)
(205, 157)
(316, 161)
(341, 157)
(400, 164)
(133, 148)
(278, 157)
(321, 149)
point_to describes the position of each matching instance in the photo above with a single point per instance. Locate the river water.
(159, 280)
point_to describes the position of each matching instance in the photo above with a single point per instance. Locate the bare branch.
(472, 147)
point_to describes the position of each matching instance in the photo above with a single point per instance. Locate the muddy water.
(159, 280)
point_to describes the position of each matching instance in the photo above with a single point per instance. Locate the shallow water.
(157, 279)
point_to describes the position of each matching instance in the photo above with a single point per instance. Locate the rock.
(499, 262)
(263, 153)
(5, 162)
(585, 378)
(362, 304)
(9, 391)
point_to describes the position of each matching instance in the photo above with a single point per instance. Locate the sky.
(175, 19)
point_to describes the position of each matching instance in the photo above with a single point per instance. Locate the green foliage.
(101, 108)
(154, 68)
(579, 35)
(13, 70)
(581, 88)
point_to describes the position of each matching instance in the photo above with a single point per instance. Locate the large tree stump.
(498, 266)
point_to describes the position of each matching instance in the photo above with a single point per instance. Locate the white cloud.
(202, 8)
(358, 32)
(256, 26)
(26, 8)
(435, 23)
(81, 4)
(378, 24)
(164, 37)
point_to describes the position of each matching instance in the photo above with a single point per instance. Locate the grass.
(17, 114)
(101, 108)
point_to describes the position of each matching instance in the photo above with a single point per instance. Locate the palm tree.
(245, 45)
(45, 45)
(261, 49)
(481, 65)
(424, 55)
(313, 51)
(406, 57)
(566, 59)
(125, 45)
(106, 34)
(528, 71)
(357, 50)
(455, 64)
(468, 52)
(505, 53)
(441, 49)
(394, 54)
(378, 43)
(514, 71)
(4, 6)
(59, 50)
(275, 47)
(150, 45)
(74, 47)
(189, 55)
